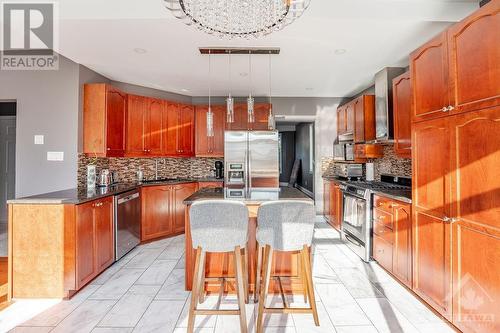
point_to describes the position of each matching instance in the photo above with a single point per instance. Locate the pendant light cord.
(209, 78)
(270, 98)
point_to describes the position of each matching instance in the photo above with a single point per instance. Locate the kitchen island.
(221, 264)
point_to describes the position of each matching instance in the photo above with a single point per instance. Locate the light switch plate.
(55, 156)
(39, 139)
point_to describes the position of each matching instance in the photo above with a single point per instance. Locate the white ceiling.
(102, 35)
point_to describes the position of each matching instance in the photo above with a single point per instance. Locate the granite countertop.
(285, 193)
(77, 196)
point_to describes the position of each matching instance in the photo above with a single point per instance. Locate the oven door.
(354, 220)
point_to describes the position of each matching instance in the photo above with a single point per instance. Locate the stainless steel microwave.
(343, 152)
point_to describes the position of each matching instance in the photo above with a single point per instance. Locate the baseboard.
(306, 191)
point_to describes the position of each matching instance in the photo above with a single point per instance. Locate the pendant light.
(210, 115)
(250, 100)
(271, 124)
(229, 100)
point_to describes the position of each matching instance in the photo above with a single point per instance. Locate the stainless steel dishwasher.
(127, 222)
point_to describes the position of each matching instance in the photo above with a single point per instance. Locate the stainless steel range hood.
(383, 103)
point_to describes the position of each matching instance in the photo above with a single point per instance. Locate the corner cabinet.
(163, 209)
(213, 146)
(104, 111)
(401, 93)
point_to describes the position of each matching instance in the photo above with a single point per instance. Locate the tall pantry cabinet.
(456, 174)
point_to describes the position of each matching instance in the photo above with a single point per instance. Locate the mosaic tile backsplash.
(168, 167)
(389, 164)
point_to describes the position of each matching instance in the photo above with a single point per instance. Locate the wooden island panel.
(285, 264)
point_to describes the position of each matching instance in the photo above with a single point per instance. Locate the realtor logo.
(29, 36)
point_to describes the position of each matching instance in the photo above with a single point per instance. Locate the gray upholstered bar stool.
(219, 226)
(285, 225)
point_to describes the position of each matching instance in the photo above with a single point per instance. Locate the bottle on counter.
(140, 175)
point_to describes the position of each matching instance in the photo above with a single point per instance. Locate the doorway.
(297, 146)
(8, 111)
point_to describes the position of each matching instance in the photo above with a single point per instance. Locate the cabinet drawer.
(382, 218)
(383, 232)
(382, 252)
(383, 204)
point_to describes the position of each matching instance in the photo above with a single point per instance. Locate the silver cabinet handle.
(450, 108)
(454, 219)
(446, 219)
(444, 109)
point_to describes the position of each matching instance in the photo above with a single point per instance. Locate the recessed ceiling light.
(339, 51)
(140, 50)
(243, 74)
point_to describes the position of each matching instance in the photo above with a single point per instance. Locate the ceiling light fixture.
(250, 100)
(339, 51)
(271, 123)
(229, 100)
(140, 50)
(210, 115)
(236, 18)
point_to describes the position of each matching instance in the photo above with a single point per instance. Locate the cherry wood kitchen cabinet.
(326, 200)
(161, 209)
(154, 126)
(429, 79)
(475, 200)
(240, 118)
(261, 115)
(364, 118)
(364, 151)
(179, 193)
(213, 146)
(336, 202)
(473, 53)
(349, 118)
(185, 132)
(431, 167)
(104, 110)
(135, 126)
(341, 120)
(95, 250)
(401, 94)
(156, 212)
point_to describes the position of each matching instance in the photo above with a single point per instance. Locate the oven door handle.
(352, 240)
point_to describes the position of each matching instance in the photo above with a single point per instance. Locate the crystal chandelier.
(237, 18)
(210, 115)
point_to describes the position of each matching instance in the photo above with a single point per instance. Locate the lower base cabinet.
(163, 209)
(332, 203)
(392, 242)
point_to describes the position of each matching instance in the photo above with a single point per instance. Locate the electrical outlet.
(39, 139)
(55, 156)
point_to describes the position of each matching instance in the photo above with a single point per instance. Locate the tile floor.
(144, 292)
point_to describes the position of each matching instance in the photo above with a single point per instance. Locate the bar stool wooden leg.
(245, 273)
(306, 259)
(303, 278)
(201, 296)
(200, 257)
(258, 275)
(240, 288)
(268, 257)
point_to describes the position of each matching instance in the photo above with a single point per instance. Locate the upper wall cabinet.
(364, 118)
(210, 146)
(341, 120)
(178, 133)
(474, 52)
(429, 73)
(261, 113)
(104, 110)
(458, 70)
(401, 94)
(144, 126)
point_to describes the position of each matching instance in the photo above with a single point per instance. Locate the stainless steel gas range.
(357, 221)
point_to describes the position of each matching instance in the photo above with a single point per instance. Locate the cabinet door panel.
(240, 118)
(170, 124)
(85, 244)
(156, 212)
(136, 116)
(431, 261)
(154, 122)
(402, 244)
(474, 60)
(349, 116)
(104, 234)
(326, 200)
(180, 192)
(115, 122)
(382, 252)
(429, 76)
(339, 206)
(205, 145)
(185, 131)
(401, 92)
(261, 112)
(476, 234)
(332, 205)
(431, 166)
(341, 120)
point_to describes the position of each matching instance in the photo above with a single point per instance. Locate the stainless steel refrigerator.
(251, 165)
